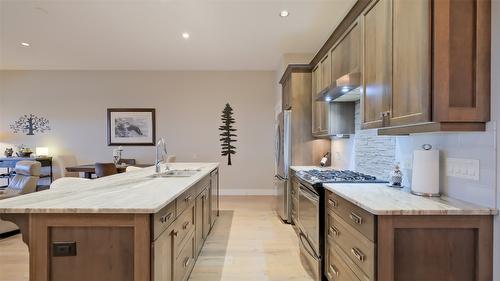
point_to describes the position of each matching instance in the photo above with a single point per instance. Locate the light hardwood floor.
(248, 243)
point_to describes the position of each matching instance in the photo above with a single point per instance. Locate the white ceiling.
(145, 34)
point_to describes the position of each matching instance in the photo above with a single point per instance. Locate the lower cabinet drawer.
(356, 247)
(337, 269)
(185, 261)
(356, 217)
(163, 219)
(185, 223)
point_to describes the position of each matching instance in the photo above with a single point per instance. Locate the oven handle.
(307, 246)
(308, 194)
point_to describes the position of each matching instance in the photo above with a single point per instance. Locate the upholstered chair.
(25, 180)
(67, 182)
(132, 168)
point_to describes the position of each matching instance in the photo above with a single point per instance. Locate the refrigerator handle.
(277, 148)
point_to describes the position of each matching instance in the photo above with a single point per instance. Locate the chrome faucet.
(161, 148)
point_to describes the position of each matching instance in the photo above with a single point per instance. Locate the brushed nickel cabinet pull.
(188, 198)
(165, 218)
(185, 225)
(356, 218)
(334, 231)
(333, 202)
(358, 254)
(186, 261)
(175, 232)
(334, 270)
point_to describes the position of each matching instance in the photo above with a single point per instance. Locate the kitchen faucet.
(161, 147)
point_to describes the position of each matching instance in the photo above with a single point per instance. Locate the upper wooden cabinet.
(286, 100)
(326, 72)
(346, 53)
(377, 63)
(411, 87)
(426, 66)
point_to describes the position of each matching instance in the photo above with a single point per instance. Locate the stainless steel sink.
(175, 174)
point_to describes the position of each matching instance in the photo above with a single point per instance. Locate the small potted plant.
(23, 151)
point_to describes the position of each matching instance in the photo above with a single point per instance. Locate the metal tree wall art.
(30, 124)
(228, 133)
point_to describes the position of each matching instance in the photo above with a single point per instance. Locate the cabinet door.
(324, 109)
(286, 95)
(214, 197)
(377, 63)
(206, 213)
(316, 117)
(326, 72)
(345, 54)
(411, 90)
(199, 222)
(163, 256)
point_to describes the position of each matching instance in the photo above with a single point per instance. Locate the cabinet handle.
(356, 218)
(333, 203)
(175, 232)
(186, 261)
(185, 225)
(165, 218)
(334, 270)
(358, 254)
(188, 198)
(334, 231)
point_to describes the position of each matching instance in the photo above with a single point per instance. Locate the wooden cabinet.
(363, 246)
(326, 72)
(320, 109)
(163, 256)
(178, 240)
(426, 66)
(411, 88)
(214, 196)
(377, 63)
(346, 53)
(286, 95)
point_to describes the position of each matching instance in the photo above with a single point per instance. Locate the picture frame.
(131, 126)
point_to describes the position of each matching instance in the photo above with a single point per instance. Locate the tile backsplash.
(376, 155)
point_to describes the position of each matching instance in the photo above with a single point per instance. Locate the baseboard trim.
(234, 192)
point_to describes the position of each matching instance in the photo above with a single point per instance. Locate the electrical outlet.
(462, 168)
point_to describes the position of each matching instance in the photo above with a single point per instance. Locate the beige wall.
(188, 107)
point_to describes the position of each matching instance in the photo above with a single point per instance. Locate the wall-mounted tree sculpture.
(30, 124)
(228, 133)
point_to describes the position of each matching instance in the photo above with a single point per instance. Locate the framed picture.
(131, 126)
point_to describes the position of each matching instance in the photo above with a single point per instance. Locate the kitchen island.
(132, 226)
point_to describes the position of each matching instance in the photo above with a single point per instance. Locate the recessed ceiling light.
(185, 35)
(25, 44)
(284, 13)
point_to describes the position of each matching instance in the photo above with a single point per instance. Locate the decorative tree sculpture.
(228, 133)
(30, 124)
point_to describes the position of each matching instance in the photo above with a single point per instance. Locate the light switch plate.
(462, 168)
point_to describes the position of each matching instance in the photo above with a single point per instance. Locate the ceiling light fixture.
(185, 35)
(24, 44)
(284, 13)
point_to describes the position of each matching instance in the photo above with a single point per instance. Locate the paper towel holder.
(426, 193)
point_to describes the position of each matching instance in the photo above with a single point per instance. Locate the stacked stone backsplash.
(374, 155)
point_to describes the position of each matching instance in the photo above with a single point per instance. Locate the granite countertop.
(131, 192)
(379, 199)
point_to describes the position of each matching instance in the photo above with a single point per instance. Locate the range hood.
(345, 89)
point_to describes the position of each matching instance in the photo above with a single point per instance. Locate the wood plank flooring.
(248, 243)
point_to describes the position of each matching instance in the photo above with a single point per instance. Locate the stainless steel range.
(311, 212)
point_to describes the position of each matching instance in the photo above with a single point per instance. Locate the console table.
(9, 163)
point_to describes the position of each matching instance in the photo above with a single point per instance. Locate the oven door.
(309, 216)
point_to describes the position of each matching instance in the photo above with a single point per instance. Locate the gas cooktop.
(336, 176)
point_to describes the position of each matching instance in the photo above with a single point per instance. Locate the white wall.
(188, 107)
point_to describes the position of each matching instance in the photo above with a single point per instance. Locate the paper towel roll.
(425, 174)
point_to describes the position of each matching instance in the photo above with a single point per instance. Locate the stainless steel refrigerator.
(282, 162)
